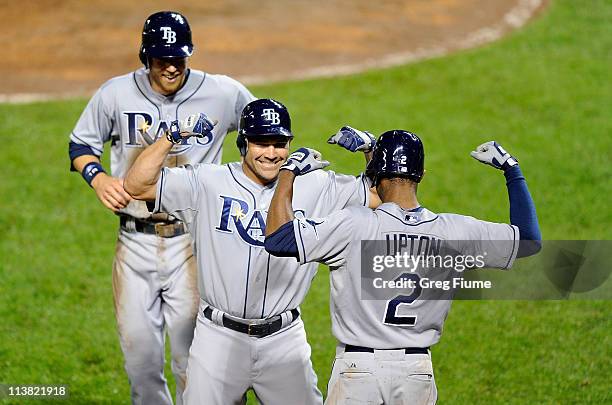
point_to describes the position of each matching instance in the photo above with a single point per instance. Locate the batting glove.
(492, 154)
(304, 160)
(353, 139)
(198, 125)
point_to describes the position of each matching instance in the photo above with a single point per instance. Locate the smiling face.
(167, 75)
(264, 157)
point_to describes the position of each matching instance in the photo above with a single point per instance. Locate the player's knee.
(145, 373)
(143, 357)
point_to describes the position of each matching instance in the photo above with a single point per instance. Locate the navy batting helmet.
(263, 117)
(165, 34)
(397, 153)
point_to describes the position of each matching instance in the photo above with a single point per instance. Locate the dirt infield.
(59, 48)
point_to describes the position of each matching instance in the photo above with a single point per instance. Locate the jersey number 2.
(391, 317)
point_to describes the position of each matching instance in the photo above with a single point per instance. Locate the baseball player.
(154, 274)
(249, 332)
(383, 352)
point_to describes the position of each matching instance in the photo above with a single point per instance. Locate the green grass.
(543, 93)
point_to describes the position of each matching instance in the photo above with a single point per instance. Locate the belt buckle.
(164, 230)
(249, 329)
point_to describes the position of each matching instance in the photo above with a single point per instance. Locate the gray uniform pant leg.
(154, 286)
(284, 371)
(219, 368)
(224, 364)
(385, 377)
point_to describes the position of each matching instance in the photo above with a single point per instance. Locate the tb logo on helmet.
(169, 35)
(270, 115)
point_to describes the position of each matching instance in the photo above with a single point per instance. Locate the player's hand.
(110, 192)
(492, 154)
(304, 160)
(353, 139)
(198, 125)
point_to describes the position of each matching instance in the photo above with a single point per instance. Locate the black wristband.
(91, 170)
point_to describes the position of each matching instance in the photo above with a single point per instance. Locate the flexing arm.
(141, 180)
(355, 140)
(523, 213)
(522, 209)
(280, 237)
(281, 209)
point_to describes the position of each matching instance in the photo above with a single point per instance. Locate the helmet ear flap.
(143, 57)
(241, 142)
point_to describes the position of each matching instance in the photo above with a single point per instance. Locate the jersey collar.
(193, 82)
(242, 179)
(413, 216)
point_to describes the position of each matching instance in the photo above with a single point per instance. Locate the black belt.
(408, 350)
(163, 229)
(253, 329)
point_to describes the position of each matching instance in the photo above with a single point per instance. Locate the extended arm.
(522, 209)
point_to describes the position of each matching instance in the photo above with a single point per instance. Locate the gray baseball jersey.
(127, 112)
(226, 214)
(336, 241)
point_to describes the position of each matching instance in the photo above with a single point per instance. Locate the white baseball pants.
(389, 377)
(155, 287)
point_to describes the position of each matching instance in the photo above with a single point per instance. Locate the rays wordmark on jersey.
(250, 225)
(236, 215)
(142, 131)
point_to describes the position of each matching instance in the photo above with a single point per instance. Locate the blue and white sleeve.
(323, 240)
(96, 123)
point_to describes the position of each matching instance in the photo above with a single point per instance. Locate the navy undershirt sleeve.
(282, 242)
(523, 213)
(75, 150)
